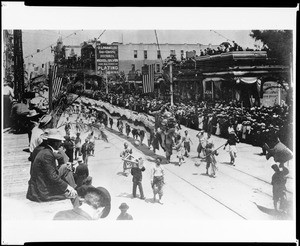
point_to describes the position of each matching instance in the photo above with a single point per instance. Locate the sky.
(40, 39)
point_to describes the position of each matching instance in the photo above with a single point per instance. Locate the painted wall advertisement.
(107, 59)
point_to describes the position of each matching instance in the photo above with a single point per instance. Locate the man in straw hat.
(95, 205)
(38, 130)
(47, 181)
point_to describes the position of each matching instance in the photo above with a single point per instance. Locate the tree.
(279, 42)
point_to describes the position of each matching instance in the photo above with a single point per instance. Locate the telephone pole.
(171, 83)
(18, 65)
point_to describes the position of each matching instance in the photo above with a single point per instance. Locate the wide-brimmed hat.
(32, 113)
(124, 206)
(44, 120)
(53, 134)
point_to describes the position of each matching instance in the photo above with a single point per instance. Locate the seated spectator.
(95, 204)
(47, 181)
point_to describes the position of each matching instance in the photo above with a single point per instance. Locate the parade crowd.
(59, 164)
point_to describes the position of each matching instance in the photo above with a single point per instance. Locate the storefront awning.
(214, 79)
(247, 80)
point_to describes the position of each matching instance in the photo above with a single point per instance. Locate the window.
(172, 52)
(158, 54)
(182, 53)
(145, 54)
(158, 68)
(135, 54)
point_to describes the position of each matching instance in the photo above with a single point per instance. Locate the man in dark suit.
(95, 205)
(47, 181)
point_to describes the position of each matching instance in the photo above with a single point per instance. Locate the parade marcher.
(142, 136)
(201, 147)
(91, 145)
(111, 122)
(124, 154)
(232, 141)
(169, 146)
(210, 159)
(124, 215)
(157, 180)
(279, 189)
(77, 145)
(187, 140)
(179, 146)
(85, 151)
(128, 130)
(136, 172)
(47, 182)
(94, 206)
(135, 133)
(67, 125)
(69, 146)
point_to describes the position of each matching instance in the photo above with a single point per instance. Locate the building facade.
(134, 56)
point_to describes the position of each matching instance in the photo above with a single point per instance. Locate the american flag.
(148, 78)
(56, 82)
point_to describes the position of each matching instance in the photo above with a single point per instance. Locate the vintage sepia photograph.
(152, 125)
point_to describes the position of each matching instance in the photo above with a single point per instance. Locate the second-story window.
(158, 68)
(158, 54)
(172, 52)
(145, 54)
(135, 54)
(182, 53)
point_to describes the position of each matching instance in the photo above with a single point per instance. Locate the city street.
(241, 192)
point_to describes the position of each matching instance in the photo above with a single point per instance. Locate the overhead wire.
(227, 39)
(50, 46)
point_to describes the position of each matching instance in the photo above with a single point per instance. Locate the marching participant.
(125, 153)
(232, 141)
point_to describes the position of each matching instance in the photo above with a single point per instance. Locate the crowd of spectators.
(254, 125)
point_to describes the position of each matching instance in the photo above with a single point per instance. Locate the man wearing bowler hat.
(95, 205)
(47, 181)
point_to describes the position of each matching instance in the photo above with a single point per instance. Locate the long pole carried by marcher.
(215, 150)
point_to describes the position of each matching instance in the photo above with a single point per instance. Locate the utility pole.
(106, 81)
(171, 83)
(18, 65)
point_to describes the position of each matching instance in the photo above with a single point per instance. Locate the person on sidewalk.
(124, 215)
(47, 181)
(93, 206)
(278, 187)
(157, 180)
(186, 142)
(232, 141)
(136, 172)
